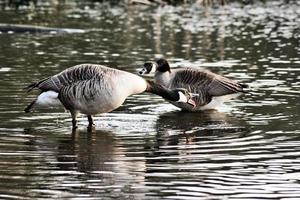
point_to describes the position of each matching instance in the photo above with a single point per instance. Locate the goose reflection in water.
(174, 125)
(95, 151)
(90, 163)
(91, 149)
(101, 156)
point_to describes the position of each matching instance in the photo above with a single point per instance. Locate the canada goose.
(212, 89)
(92, 89)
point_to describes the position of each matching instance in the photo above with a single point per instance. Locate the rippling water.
(149, 149)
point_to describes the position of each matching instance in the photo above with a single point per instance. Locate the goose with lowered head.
(212, 89)
(92, 89)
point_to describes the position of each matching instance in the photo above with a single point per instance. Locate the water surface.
(149, 149)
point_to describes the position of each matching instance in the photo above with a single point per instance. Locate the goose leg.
(74, 121)
(91, 121)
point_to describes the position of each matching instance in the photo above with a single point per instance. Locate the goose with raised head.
(93, 89)
(212, 89)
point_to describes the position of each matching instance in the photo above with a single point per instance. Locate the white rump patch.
(48, 99)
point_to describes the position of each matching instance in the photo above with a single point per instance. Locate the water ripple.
(149, 149)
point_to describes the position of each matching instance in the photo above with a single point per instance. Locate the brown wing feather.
(67, 77)
(223, 86)
(205, 82)
(196, 81)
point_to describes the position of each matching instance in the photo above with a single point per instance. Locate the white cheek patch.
(182, 98)
(153, 68)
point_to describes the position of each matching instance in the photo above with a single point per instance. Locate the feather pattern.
(206, 84)
(70, 76)
(93, 96)
(214, 84)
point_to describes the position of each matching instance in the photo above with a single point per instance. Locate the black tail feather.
(34, 85)
(29, 107)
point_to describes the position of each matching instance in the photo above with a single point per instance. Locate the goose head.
(160, 65)
(163, 65)
(185, 97)
(149, 67)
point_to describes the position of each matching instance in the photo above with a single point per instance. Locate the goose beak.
(192, 103)
(143, 71)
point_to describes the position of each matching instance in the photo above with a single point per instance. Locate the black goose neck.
(159, 90)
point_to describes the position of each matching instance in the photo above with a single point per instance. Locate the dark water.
(148, 149)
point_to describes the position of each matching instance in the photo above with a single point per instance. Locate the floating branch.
(17, 28)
